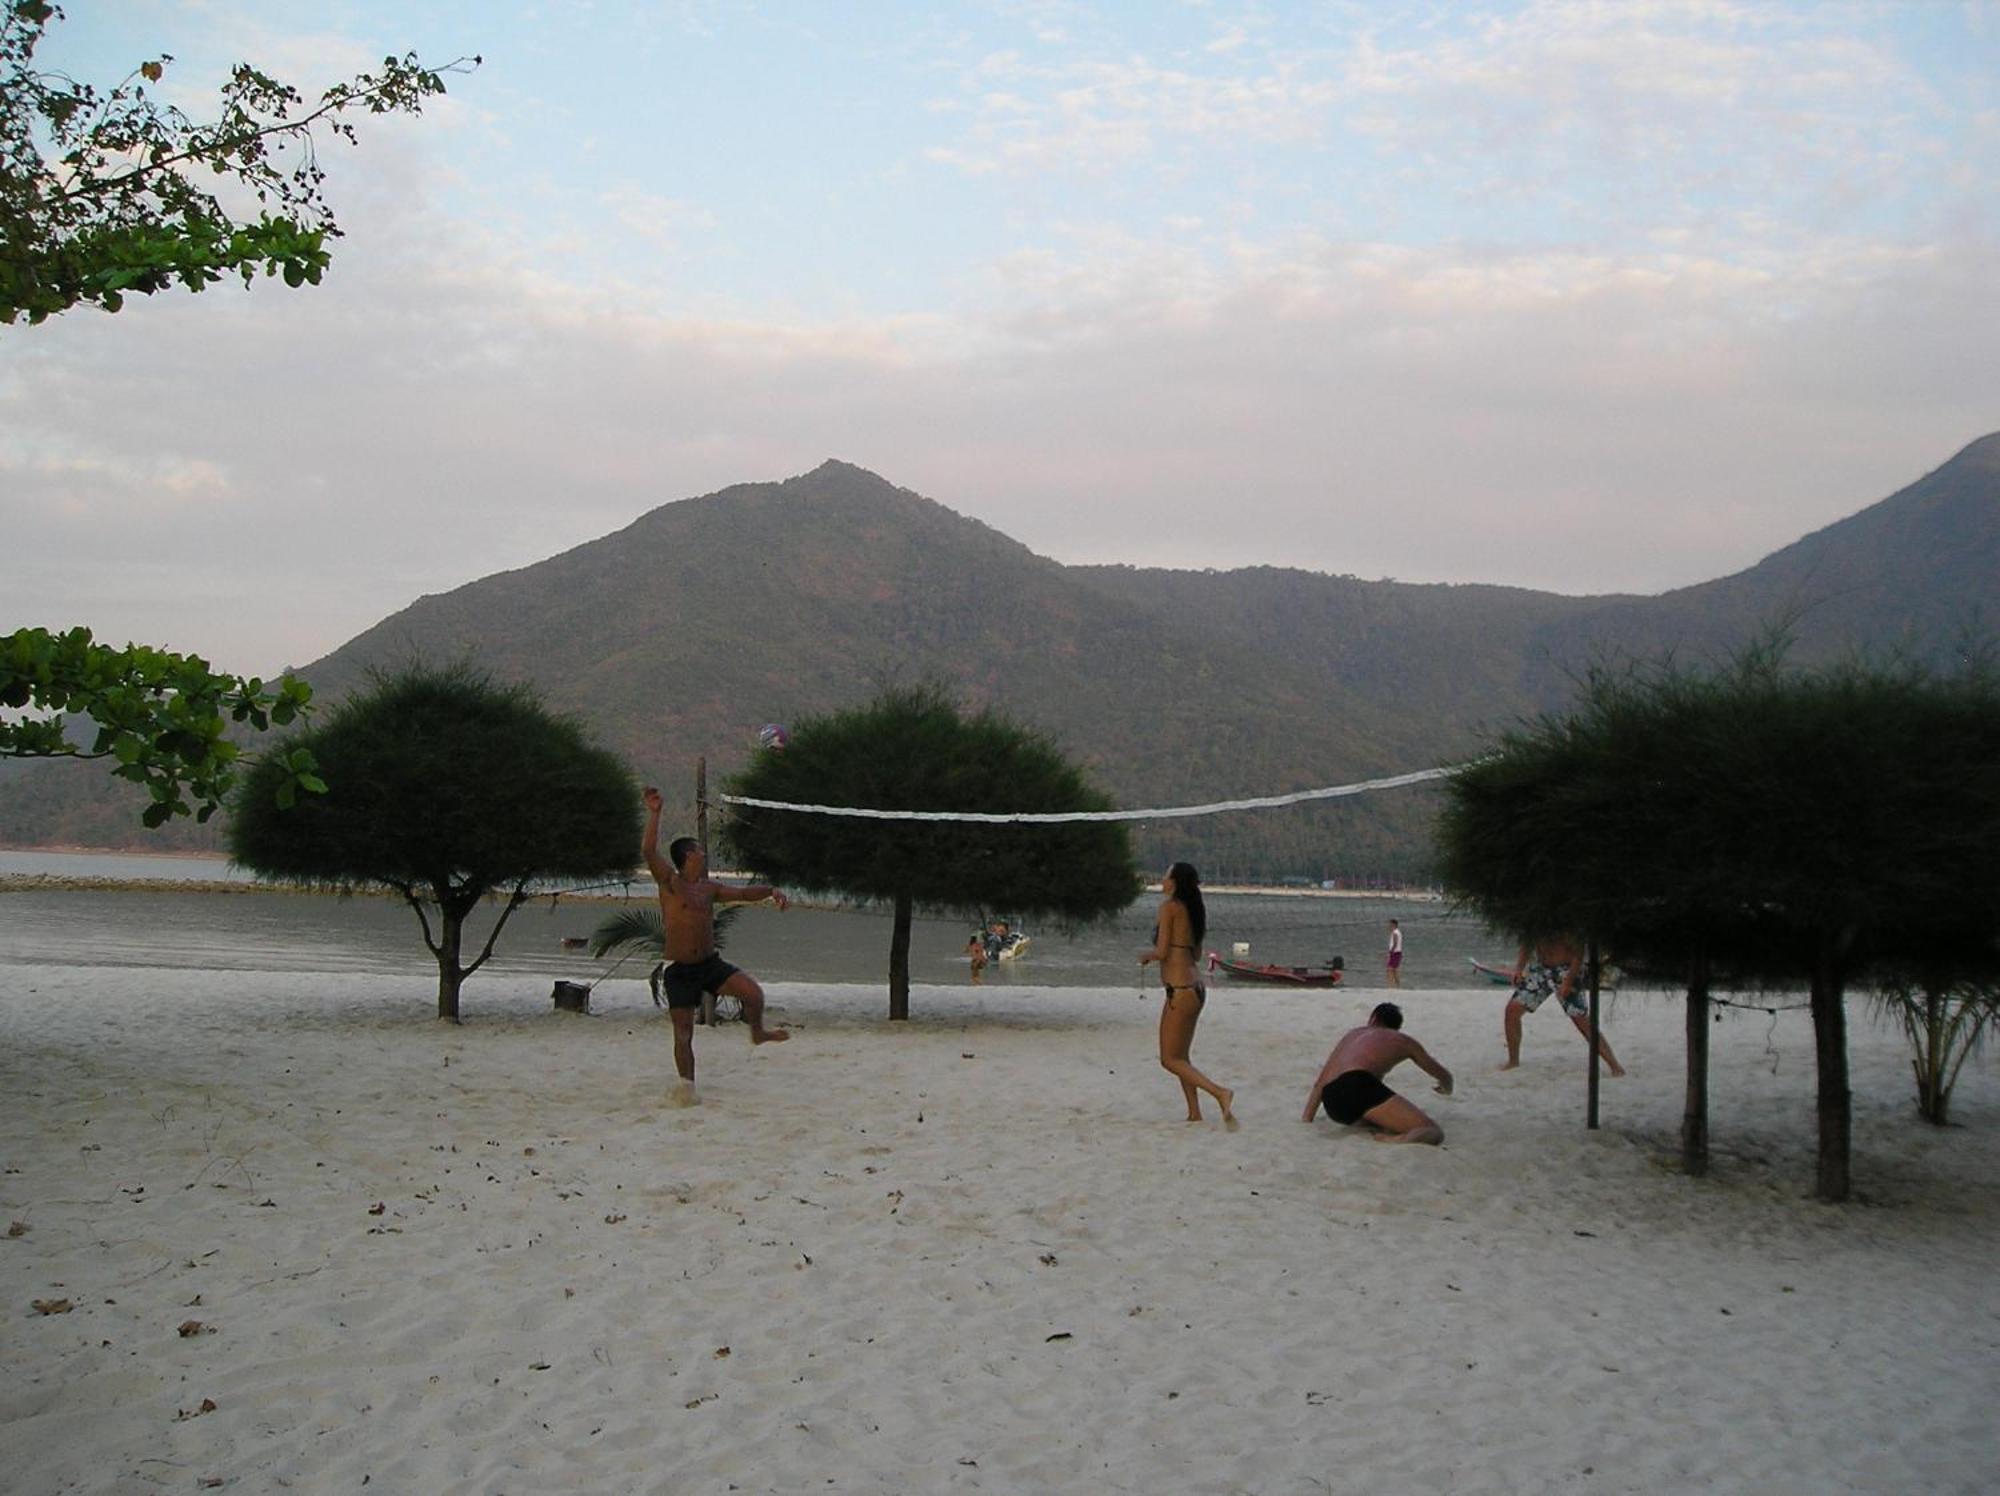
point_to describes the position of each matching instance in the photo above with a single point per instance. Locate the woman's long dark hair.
(1187, 888)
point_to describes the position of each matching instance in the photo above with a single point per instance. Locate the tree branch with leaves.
(101, 191)
(163, 716)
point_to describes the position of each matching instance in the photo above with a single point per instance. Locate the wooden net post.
(701, 835)
(1591, 953)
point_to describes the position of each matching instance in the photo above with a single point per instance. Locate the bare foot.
(1511, 1065)
(1194, 1116)
(1431, 1135)
(1224, 1096)
(1617, 1072)
(769, 1035)
(683, 1094)
(1230, 1124)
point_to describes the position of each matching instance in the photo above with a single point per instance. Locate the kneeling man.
(1349, 1085)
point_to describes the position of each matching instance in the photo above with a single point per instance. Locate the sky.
(1575, 295)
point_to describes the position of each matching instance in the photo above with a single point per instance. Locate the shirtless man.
(1558, 969)
(1349, 1085)
(688, 897)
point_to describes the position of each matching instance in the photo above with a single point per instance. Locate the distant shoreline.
(68, 849)
(1292, 891)
(115, 882)
(88, 883)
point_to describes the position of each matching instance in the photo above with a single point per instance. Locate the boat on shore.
(1328, 975)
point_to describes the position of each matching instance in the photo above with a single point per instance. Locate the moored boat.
(1328, 975)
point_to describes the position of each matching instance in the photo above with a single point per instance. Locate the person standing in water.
(1395, 953)
(688, 897)
(1177, 935)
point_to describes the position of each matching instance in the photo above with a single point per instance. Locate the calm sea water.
(271, 931)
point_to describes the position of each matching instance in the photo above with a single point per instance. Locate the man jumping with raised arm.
(1349, 1085)
(688, 897)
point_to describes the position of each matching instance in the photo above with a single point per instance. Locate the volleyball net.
(1060, 817)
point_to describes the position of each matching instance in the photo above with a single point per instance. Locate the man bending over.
(1349, 1085)
(688, 897)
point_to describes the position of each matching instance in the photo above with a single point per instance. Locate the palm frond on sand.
(640, 929)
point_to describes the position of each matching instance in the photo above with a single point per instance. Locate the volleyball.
(773, 735)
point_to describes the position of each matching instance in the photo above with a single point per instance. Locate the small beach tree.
(1755, 825)
(912, 749)
(445, 788)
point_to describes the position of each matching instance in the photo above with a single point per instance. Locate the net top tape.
(1048, 818)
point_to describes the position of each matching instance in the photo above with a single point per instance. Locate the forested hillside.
(679, 635)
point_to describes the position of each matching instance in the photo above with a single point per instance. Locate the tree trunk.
(1933, 1090)
(451, 934)
(1694, 1111)
(899, 961)
(1944, 1032)
(1829, 1011)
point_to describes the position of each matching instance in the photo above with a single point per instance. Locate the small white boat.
(1004, 942)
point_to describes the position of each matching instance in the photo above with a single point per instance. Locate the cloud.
(1656, 112)
(1598, 307)
(1097, 116)
(658, 220)
(1527, 123)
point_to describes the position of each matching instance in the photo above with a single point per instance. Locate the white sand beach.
(312, 1240)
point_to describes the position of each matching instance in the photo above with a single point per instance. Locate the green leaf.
(159, 715)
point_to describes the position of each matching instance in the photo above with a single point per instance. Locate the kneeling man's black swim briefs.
(686, 981)
(1352, 1094)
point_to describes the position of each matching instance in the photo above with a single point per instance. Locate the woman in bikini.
(1177, 935)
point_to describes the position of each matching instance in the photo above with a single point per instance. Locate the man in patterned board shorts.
(1556, 970)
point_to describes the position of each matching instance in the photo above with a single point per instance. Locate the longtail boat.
(1328, 975)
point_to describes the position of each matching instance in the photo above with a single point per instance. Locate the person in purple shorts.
(1395, 953)
(1349, 1085)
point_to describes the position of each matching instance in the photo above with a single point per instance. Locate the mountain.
(678, 635)
(1915, 573)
